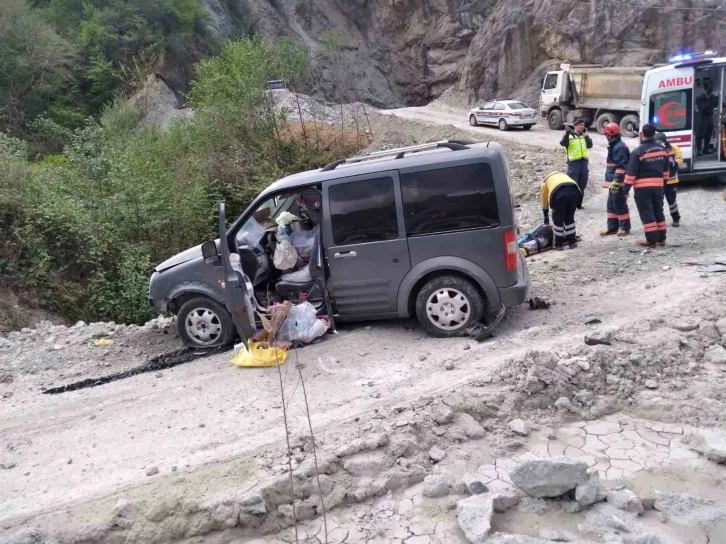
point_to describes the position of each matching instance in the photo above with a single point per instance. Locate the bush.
(84, 227)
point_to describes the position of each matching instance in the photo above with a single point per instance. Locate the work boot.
(559, 248)
(645, 243)
(676, 224)
(622, 233)
(608, 232)
(661, 243)
(573, 245)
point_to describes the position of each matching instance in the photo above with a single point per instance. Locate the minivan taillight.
(511, 249)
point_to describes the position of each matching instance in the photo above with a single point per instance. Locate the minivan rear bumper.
(517, 294)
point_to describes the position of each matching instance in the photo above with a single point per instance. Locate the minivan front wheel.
(204, 323)
(446, 306)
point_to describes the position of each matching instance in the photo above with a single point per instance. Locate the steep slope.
(411, 51)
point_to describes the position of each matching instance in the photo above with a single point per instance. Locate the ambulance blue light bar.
(692, 56)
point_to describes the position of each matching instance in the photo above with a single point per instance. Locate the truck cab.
(686, 100)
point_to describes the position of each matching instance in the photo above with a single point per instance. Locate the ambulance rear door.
(668, 104)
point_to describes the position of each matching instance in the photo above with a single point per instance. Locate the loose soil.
(78, 461)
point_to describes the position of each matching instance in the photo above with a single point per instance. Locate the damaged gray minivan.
(427, 230)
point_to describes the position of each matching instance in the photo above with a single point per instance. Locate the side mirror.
(210, 253)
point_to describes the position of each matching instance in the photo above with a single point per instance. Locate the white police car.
(504, 114)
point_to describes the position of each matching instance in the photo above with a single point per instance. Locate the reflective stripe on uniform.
(650, 227)
(647, 182)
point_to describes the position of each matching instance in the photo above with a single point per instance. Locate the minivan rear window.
(363, 212)
(449, 199)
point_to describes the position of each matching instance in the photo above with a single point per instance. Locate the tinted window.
(517, 106)
(449, 199)
(671, 110)
(550, 82)
(363, 212)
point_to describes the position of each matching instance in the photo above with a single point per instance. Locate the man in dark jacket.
(648, 169)
(617, 162)
(576, 143)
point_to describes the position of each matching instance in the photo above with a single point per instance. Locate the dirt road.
(540, 135)
(206, 431)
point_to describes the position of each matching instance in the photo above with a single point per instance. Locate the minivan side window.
(671, 110)
(363, 211)
(449, 199)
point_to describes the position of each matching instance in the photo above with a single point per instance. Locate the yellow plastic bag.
(259, 356)
(100, 342)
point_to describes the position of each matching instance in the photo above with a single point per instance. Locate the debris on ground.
(474, 516)
(596, 339)
(549, 477)
(538, 303)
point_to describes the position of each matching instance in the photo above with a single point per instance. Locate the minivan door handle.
(345, 255)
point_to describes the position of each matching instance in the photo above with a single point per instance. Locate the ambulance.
(686, 100)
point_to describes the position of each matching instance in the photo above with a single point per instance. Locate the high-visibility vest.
(551, 183)
(576, 148)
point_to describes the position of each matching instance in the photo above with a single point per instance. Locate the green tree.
(35, 63)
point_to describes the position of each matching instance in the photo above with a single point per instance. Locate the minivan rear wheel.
(204, 323)
(446, 306)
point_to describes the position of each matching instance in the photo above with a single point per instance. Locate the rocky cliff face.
(410, 51)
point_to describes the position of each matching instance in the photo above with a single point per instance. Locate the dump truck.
(592, 92)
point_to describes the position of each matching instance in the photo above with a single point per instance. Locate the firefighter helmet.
(612, 130)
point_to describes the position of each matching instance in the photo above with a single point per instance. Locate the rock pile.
(572, 380)
(85, 350)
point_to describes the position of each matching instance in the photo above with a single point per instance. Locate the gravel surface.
(197, 451)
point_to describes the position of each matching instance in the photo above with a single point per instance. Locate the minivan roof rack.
(453, 145)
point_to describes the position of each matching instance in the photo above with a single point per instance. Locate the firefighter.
(675, 161)
(647, 171)
(561, 193)
(576, 143)
(617, 207)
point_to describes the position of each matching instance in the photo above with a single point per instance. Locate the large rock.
(710, 442)
(626, 500)
(474, 516)
(435, 486)
(716, 355)
(506, 500)
(365, 464)
(589, 492)
(519, 426)
(549, 477)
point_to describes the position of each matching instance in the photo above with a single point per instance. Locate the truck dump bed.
(607, 88)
